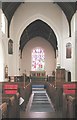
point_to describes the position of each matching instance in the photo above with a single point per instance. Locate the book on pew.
(21, 101)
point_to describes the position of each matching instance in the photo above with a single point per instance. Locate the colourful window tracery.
(38, 59)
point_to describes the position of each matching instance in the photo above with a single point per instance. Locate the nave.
(40, 106)
(38, 59)
(39, 100)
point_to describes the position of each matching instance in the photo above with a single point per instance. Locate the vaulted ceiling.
(38, 27)
(68, 8)
(9, 9)
(41, 29)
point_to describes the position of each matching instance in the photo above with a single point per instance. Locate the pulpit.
(60, 74)
(60, 77)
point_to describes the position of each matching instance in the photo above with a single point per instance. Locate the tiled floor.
(40, 106)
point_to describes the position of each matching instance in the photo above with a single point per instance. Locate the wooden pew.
(69, 106)
(13, 99)
(10, 96)
(25, 94)
(17, 96)
(55, 95)
(3, 110)
(70, 100)
(12, 108)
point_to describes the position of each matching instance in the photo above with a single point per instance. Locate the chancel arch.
(39, 28)
(27, 19)
(50, 60)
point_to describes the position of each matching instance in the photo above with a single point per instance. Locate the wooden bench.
(4, 110)
(12, 100)
(12, 105)
(69, 106)
(25, 94)
(70, 100)
(55, 95)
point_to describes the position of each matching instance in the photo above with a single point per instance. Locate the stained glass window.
(38, 59)
(10, 47)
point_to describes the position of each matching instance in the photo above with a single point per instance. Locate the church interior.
(38, 60)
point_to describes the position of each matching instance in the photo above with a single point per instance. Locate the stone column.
(73, 58)
(76, 56)
(76, 46)
(74, 49)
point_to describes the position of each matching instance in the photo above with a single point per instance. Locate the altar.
(38, 74)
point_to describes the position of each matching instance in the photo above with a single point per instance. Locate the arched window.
(38, 59)
(68, 50)
(10, 47)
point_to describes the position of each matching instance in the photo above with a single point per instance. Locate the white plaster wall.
(76, 54)
(1, 57)
(65, 27)
(6, 58)
(50, 61)
(73, 25)
(9, 59)
(73, 56)
(4, 39)
(1, 50)
(76, 21)
(74, 46)
(6, 24)
(69, 64)
(29, 12)
(1, 63)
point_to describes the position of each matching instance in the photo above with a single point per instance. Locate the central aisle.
(39, 106)
(41, 102)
